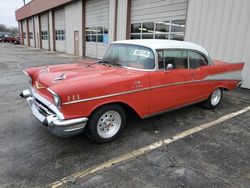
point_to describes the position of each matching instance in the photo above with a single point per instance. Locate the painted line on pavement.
(141, 151)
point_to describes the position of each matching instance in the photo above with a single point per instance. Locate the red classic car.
(148, 77)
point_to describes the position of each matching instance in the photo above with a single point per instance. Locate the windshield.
(130, 56)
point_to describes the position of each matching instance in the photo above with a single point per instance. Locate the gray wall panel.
(97, 14)
(45, 27)
(31, 30)
(60, 25)
(223, 28)
(121, 19)
(155, 10)
(73, 22)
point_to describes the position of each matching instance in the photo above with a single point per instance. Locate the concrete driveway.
(30, 156)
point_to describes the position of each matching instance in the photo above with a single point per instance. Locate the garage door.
(31, 32)
(97, 16)
(24, 33)
(158, 19)
(45, 31)
(60, 30)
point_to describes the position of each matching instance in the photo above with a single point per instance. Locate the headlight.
(28, 76)
(57, 100)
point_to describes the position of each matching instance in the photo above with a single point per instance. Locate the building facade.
(87, 27)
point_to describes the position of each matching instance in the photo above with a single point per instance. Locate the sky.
(7, 11)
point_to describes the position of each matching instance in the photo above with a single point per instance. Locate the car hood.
(67, 73)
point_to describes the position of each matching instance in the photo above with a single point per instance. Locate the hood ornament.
(61, 77)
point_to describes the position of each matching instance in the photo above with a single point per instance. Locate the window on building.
(60, 35)
(147, 30)
(97, 34)
(177, 29)
(44, 35)
(136, 31)
(162, 30)
(168, 29)
(24, 35)
(31, 35)
(196, 60)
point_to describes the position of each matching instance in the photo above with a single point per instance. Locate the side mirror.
(169, 67)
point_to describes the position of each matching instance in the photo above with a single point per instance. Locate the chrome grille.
(42, 108)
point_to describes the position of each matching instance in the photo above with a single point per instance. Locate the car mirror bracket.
(169, 67)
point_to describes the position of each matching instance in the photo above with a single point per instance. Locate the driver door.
(171, 88)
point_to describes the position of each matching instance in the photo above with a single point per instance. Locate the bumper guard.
(57, 126)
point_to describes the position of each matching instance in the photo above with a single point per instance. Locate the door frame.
(76, 43)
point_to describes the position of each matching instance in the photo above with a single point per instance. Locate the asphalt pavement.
(32, 157)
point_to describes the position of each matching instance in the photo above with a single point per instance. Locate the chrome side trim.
(105, 96)
(28, 76)
(26, 73)
(51, 91)
(128, 92)
(216, 77)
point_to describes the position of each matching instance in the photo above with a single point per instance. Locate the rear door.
(200, 65)
(171, 88)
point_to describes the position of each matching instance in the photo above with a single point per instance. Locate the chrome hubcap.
(109, 124)
(216, 96)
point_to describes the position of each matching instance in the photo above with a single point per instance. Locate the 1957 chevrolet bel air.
(146, 76)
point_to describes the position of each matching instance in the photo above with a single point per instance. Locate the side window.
(178, 58)
(196, 60)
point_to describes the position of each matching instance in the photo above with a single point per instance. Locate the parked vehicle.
(148, 77)
(10, 40)
(17, 41)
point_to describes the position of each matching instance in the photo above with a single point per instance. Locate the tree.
(3, 28)
(12, 31)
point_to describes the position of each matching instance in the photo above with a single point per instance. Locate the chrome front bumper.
(50, 119)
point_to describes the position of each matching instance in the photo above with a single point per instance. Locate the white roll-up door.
(60, 35)
(97, 18)
(31, 32)
(45, 31)
(25, 39)
(159, 19)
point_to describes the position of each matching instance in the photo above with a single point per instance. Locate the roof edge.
(37, 6)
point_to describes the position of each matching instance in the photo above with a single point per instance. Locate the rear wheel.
(106, 123)
(214, 99)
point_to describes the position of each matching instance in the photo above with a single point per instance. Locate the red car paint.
(146, 92)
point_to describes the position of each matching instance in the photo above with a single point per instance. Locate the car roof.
(164, 44)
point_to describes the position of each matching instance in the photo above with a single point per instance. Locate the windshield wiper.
(110, 63)
(89, 65)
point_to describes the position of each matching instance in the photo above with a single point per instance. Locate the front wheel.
(214, 99)
(106, 123)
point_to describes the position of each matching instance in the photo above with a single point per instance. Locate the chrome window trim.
(207, 57)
